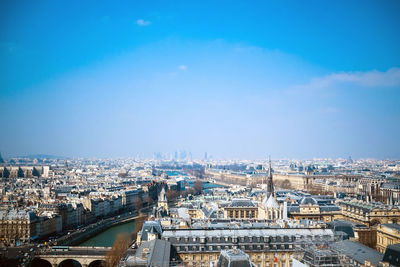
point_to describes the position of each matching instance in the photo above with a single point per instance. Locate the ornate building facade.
(241, 209)
(387, 234)
(265, 247)
(309, 208)
(369, 214)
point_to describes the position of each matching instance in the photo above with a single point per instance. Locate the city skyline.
(240, 80)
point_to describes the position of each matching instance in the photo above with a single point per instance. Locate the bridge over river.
(71, 256)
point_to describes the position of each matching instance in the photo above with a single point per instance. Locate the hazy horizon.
(233, 79)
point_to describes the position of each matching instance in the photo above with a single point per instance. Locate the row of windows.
(235, 214)
(389, 241)
(14, 222)
(242, 247)
(211, 257)
(201, 257)
(13, 232)
(14, 229)
(259, 239)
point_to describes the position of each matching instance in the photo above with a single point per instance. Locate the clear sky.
(236, 79)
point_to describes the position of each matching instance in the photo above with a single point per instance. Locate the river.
(106, 238)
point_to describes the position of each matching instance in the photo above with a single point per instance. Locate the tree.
(197, 186)
(6, 173)
(154, 189)
(172, 194)
(117, 251)
(35, 172)
(189, 191)
(138, 226)
(149, 201)
(21, 173)
(138, 204)
(286, 184)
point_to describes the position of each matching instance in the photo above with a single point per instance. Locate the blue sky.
(293, 79)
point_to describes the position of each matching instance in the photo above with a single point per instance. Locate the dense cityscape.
(213, 133)
(188, 212)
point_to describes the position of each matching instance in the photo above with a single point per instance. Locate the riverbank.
(81, 235)
(107, 237)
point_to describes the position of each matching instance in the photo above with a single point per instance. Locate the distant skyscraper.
(182, 154)
(205, 156)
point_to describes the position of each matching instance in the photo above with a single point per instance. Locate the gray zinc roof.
(357, 251)
(246, 232)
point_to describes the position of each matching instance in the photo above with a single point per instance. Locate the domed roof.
(270, 202)
(308, 200)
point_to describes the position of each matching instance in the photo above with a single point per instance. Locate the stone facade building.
(369, 214)
(201, 247)
(387, 234)
(17, 226)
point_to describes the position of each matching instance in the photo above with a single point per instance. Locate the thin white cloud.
(142, 22)
(183, 67)
(373, 78)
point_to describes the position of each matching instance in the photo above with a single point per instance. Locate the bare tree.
(149, 200)
(198, 186)
(172, 195)
(138, 204)
(117, 251)
(138, 226)
(286, 184)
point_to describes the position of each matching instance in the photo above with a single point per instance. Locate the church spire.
(270, 173)
(270, 183)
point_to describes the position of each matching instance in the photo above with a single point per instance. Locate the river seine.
(106, 238)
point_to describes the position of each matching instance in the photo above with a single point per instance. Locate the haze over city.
(243, 80)
(199, 133)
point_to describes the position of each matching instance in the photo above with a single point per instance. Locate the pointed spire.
(270, 183)
(270, 169)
